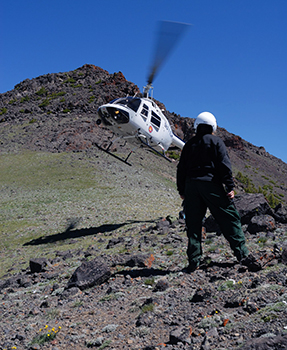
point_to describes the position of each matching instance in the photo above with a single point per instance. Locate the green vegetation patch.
(3, 111)
(41, 92)
(267, 190)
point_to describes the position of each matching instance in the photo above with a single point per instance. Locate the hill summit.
(58, 112)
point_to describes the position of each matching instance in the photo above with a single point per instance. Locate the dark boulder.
(15, 282)
(251, 204)
(248, 206)
(38, 265)
(139, 260)
(262, 223)
(281, 213)
(89, 274)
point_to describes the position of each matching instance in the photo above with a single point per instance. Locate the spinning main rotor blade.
(168, 35)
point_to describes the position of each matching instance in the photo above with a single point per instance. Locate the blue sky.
(232, 61)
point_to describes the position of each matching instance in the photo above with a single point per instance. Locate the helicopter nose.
(110, 115)
(104, 115)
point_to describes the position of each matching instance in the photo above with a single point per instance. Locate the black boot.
(251, 263)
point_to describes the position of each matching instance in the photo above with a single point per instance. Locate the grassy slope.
(42, 192)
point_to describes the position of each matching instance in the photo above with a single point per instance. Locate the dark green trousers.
(200, 195)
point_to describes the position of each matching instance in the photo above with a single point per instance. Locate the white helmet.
(206, 118)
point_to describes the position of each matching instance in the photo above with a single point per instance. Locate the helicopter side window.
(155, 119)
(144, 112)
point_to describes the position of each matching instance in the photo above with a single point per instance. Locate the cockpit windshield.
(131, 102)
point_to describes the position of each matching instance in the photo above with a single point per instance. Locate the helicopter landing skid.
(154, 150)
(106, 150)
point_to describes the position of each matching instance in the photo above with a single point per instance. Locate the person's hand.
(230, 194)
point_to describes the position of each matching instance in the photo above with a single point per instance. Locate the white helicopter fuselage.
(139, 119)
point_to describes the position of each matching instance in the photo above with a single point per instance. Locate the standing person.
(204, 180)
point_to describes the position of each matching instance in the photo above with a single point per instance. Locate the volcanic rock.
(251, 204)
(261, 223)
(89, 274)
(38, 264)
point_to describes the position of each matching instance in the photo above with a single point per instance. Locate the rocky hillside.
(127, 288)
(58, 112)
(93, 251)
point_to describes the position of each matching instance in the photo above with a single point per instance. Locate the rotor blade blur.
(168, 35)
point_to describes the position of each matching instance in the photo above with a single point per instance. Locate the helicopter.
(139, 120)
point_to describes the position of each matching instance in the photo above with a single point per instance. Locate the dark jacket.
(205, 158)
